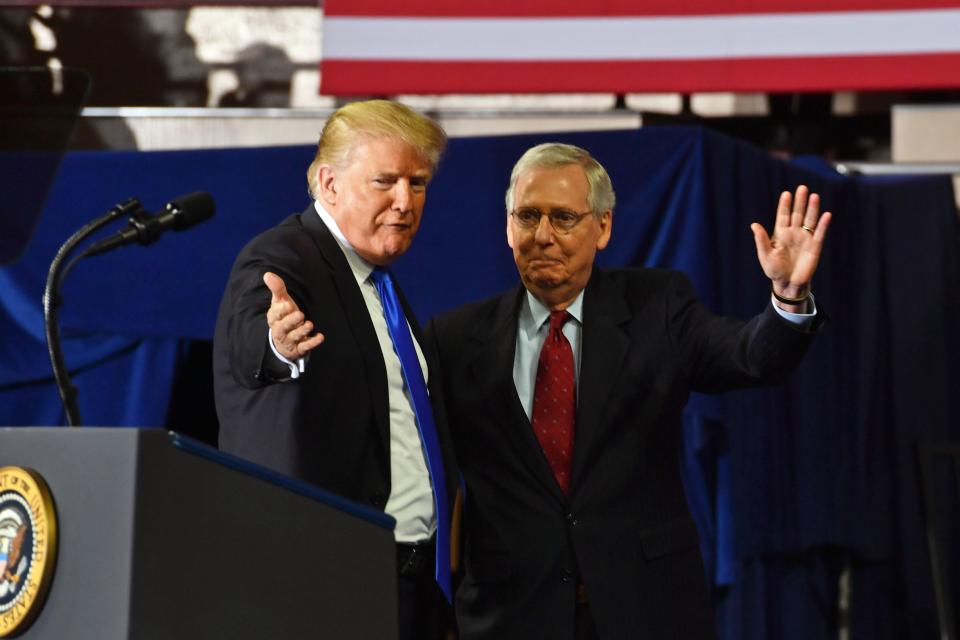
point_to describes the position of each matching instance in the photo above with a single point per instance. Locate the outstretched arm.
(789, 257)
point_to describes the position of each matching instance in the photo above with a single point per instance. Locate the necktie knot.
(380, 275)
(558, 319)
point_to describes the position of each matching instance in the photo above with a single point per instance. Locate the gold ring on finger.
(807, 229)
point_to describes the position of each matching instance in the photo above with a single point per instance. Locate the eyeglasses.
(562, 220)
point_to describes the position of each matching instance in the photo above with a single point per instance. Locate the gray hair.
(553, 155)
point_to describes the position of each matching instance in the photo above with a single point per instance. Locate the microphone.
(145, 228)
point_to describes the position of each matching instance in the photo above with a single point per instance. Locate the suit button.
(572, 520)
(378, 499)
(566, 575)
(257, 374)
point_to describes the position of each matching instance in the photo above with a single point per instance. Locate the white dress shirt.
(411, 494)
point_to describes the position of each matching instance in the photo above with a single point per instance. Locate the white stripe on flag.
(643, 38)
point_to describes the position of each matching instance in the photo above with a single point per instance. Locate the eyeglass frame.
(550, 217)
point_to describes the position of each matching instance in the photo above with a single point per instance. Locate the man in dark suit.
(565, 397)
(320, 368)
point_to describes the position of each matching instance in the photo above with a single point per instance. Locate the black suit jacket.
(330, 426)
(624, 530)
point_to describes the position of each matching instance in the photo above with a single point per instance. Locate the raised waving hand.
(789, 257)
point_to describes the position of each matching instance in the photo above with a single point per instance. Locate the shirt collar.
(360, 267)
(534, 314)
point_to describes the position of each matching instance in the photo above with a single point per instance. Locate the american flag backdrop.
(385, 47)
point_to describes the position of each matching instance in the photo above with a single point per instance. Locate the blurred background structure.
(270, 56)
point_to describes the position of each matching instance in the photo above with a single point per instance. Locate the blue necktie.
(413, 376)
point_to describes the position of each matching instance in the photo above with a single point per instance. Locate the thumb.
(276, 285)
(761, 239)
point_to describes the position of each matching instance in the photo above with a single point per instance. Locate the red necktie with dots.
(554, 400)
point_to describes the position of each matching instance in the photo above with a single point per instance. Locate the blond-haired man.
(320, 370)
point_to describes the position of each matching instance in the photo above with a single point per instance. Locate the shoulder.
(472, 312)
(642, 276)
(294, 243)
(478, 317)
(288, 232)
(291, 251)
(639, 283)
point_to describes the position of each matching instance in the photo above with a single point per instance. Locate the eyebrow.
(397, 174)
(547, 210)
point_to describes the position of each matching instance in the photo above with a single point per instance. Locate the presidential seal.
(28, 547)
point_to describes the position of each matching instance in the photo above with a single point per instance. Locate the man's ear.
(509, 232)
(606, 228)
(327, 183)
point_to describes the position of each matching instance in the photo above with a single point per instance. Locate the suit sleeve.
(720, 353)
(252, 362)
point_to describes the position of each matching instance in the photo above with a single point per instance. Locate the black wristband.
(787, 300)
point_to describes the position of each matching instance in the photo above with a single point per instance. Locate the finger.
(799, 206)
(305, 346)
(277, 287)
(286, 324)
(783, 210)
(300, 333)
(761, 239)
(821, 229)
(813, 212)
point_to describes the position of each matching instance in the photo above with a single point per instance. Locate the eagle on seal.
(12, 533)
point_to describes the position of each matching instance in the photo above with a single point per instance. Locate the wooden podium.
(162, 537)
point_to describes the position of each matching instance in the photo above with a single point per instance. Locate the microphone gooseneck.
(179, 214)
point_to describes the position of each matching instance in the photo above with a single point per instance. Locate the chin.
(390, 253)
(397, 243)
(546, 279)
(542, 284)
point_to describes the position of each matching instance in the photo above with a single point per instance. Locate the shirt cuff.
(296, 368)
(799, 320)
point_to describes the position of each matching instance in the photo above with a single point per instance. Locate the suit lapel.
(494, 365)
(355, 309)
(603, 348)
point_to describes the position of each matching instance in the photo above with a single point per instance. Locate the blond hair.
(553, 155)
(357, 122)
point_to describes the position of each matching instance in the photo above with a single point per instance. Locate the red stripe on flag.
(158, 4)
(578, 8)
(347, 77)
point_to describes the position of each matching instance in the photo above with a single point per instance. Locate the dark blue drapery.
(788, 485)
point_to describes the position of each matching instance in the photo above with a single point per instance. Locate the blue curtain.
(789, 485)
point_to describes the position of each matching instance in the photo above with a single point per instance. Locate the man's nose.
(402, 196)
(544, 232)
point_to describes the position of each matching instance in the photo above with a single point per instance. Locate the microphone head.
(191, 209)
